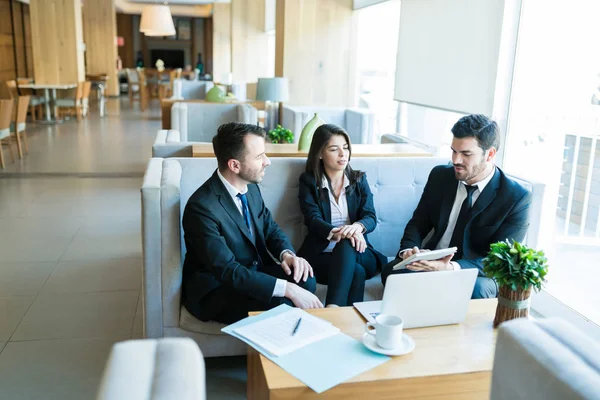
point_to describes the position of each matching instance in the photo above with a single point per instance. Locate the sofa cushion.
(190, 323)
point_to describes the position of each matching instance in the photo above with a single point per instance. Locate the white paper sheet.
(275, 334)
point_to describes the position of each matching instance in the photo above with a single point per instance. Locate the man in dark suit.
(231, 238)
(470, 205)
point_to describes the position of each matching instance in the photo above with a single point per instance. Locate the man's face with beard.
(254, 161)
(471, 162)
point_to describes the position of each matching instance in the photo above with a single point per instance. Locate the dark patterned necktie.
(461, 222)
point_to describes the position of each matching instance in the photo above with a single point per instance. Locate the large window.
(376, 63)
(553, 133)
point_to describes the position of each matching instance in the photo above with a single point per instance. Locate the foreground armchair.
(154, 370)
(546, 359)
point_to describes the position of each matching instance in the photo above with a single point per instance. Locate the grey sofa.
(358, 122)
(397, 184)
(158, 369)
(190, 90)
(198, 122)
(545, 360)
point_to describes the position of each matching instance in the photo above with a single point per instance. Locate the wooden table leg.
(256, 388)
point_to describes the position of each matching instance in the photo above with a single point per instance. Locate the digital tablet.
(427, 256)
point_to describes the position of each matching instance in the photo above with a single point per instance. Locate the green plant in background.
(515, 265)
(281, 135)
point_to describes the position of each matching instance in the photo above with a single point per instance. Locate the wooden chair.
(12, 88)
(72, 105)
(136, 87)
(165, 89)
(143, 93)
(36, 102)
(6, 107)
(19, 124)
(85, 98)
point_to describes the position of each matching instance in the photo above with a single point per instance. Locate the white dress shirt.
(339, 209)
(280, 284)
(461, 195)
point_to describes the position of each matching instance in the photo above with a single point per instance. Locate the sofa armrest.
(294, 119)
(161, 137)
(171, 257)
(360, 125)
(151, 249)
(395, 138)
(170, 368)
(179, 119)
(546, 359)
(541, 205)
(247, 113)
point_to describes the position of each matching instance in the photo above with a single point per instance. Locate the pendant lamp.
(157, 21)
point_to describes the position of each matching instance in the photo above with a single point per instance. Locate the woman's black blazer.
(316, 208)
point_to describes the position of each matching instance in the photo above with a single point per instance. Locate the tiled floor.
(70, 257)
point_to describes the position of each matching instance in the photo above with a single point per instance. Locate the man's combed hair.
(228, 143)
(482, 128)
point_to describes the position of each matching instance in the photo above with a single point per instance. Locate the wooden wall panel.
(28, 46)
(57, 39)
(125, 29)
(19, 39)
(7, 43)
(314, 49)
(221, 23)
(249, 41)
(15, 40)
(208, 46)
(99, 33)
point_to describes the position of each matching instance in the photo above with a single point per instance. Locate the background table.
(51, 118)
(358, 150)
(448, 362)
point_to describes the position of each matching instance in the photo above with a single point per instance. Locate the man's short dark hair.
(482, 128)
(228, 143)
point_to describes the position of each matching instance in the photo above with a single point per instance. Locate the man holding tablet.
(468, 205)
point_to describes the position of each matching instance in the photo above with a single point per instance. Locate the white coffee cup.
(387, 332)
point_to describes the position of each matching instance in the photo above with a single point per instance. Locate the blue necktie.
(245, 211)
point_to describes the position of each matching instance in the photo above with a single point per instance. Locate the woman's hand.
(358, 242)
(348, 231)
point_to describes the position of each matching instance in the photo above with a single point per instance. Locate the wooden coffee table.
(449, 362)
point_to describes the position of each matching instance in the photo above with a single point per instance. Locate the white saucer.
(408, 345)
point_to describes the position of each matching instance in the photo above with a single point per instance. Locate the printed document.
(275, 334)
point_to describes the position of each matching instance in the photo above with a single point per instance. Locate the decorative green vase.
(308, 131)
(215, 95)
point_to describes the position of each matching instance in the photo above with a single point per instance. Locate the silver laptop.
(424, 299)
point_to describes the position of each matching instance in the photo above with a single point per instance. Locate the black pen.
(297, 326)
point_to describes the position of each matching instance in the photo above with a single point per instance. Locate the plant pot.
(512, 304)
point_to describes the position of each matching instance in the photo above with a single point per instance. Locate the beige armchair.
(156, 369)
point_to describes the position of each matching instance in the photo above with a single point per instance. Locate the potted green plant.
(517, 269)
(281, 135)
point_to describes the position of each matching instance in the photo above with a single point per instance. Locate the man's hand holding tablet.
(423, 260)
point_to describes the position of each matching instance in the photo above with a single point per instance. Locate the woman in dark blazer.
(338, 210)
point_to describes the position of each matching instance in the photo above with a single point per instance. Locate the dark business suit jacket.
(501, 212)
(316, 208)
(219, 248)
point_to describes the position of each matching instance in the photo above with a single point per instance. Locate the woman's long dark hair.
(314, 164)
